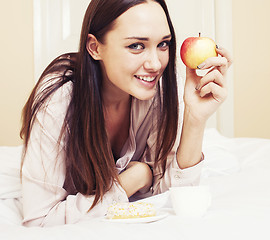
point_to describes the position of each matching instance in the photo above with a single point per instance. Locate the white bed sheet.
(236, 169)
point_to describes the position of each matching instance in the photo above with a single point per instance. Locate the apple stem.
(199, 34)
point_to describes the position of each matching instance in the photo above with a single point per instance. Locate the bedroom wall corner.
(17, 66)
(251, 37)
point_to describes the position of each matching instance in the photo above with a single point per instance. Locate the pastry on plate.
(131, 210)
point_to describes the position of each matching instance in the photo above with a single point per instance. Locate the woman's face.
(135, 52)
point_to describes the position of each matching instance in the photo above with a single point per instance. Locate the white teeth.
(147, 79)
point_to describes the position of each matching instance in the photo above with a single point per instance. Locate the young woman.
(108, 122)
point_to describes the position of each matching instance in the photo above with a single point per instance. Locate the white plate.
(160, 215)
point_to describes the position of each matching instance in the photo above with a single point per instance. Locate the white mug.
(190, 201)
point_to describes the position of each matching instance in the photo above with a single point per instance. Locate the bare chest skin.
(117, 125)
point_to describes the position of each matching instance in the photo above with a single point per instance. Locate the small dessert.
(130, 210)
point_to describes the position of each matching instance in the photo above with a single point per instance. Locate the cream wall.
(251, 40)
(251, 67)
(16, 65)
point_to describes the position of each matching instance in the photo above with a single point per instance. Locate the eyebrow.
(147, 39)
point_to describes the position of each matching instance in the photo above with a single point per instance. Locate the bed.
(236, 169)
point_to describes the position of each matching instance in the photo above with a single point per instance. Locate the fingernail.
(201, 65)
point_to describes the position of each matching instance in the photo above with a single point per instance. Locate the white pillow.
(219, 157)
(10, 162)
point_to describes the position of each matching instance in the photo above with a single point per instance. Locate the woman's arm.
(137, 177)
(202, 97)
(189, 152)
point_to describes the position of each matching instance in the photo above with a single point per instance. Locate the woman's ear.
(92, 47)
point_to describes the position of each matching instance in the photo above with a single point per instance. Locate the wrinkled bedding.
(236, 169)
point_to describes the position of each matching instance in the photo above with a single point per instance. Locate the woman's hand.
(203, 95)
(137, 177)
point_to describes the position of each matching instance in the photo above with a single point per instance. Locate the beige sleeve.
(45, 201)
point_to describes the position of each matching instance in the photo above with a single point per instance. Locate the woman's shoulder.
(56, 82)
(56, 105)
(54, 94)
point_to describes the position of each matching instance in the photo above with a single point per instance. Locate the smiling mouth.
(146, 78)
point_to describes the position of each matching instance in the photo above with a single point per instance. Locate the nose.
(152, 63)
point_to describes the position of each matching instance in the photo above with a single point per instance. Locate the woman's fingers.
(218, 93)
(222, 62)
(218, 67)
(213, 83)
(224, 53)
(214, 76)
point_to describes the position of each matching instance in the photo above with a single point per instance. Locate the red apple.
(195, 50)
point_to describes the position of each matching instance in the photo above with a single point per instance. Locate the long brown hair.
(90, 166)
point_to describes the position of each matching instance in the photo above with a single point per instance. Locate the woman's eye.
(136, 46)
(164, 44)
